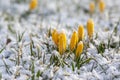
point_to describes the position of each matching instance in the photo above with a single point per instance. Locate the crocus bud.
(80, 32)
(33, 4)
(55, 37)
(79, 49)
(73, 41)
(101, 6)
(90, 28)
(64, 40)
(62, 43)
(92, 7)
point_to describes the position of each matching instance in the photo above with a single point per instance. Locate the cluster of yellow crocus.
(60, 40)
(101, 6)
(92, 7)
(33, 4)
(90, 28)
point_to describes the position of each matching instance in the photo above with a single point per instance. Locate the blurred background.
(62, 11)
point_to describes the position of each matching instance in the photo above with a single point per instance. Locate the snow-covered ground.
(26, 47)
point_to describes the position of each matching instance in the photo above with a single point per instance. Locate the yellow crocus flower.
(55, 36)
(81, 32)
(101, 6)
(33, 4)
(92, 7)
(62, 43)
(79, 49)
(64, 39)
(90, 28)
(73, 41)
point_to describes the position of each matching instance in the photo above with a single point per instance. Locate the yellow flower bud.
(79, 49)
(101, 6)
(73, 41)
(62, 43)
(81, 32)
(64, 40)
(92, 7)
(90, 28)
(33, 4)
(55, 37)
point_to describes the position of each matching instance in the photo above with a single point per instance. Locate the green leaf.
(101, 48)
(2, 50)
(73, 67)
(11, 29)
(0, 76)
(32, 70)
(31, 49)
(85, 61)
(38, 74)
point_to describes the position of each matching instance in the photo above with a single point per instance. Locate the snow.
(62, 16)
